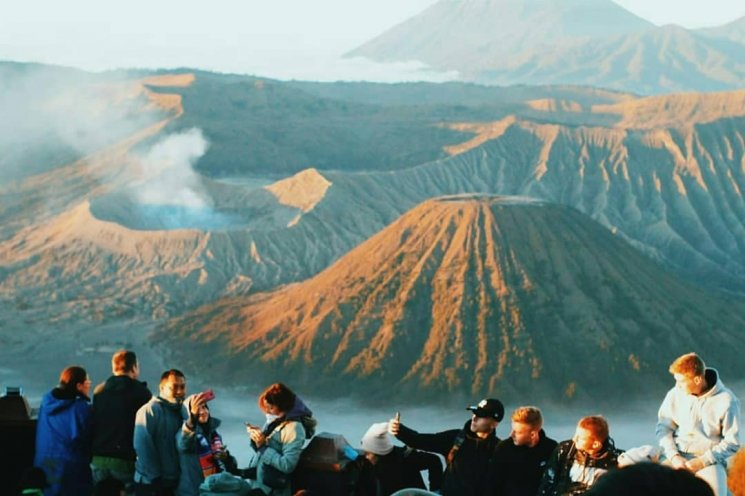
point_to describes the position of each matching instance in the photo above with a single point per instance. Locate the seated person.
(576, 464)
(394, 467)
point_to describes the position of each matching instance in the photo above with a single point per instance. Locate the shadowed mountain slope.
(468, 296)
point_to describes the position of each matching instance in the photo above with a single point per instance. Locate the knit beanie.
(376, 439)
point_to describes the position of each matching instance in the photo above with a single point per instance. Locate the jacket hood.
(712, 380)
(58, 400)
(471, 434)
(212, 423)
(120, 382)
(299, 409)
(176, 407)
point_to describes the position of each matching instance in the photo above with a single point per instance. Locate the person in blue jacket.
(63, 435)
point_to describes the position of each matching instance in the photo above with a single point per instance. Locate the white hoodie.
(706, 426)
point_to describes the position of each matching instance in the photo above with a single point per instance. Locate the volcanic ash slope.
(469, 295)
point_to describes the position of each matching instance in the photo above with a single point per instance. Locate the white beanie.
(376, 439)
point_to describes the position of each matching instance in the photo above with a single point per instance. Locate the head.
(527, 423)
(203, 415)
(124, 362)
(486, 416)
(376, 442)
(277, 400)
(591, 434)
(649, 479)
(75, 379)
(689, 373)
(173, 386)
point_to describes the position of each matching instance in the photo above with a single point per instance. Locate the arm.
(730, 443)
(551, 474)
(186, 438)
(440, 442)
(666, 427)
(292, 438)
(495, 475)
(420, 460)
(148, 461)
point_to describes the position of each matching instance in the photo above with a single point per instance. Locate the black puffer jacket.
(467, 472)
(558, 479)
(115, 403)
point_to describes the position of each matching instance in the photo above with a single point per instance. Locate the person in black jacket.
(519, 461)
(467, 451)
(395, 467)
(115, 403)
(576, 464)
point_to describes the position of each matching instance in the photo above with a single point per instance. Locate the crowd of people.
(127, 441)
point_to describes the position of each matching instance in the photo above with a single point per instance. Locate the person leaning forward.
(467, 450)
(698, 424)
(519, 461)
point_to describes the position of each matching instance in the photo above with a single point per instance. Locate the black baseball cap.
(488, 408)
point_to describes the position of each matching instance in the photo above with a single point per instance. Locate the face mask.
(271, 418)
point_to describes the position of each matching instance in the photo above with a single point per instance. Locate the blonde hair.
(689, 365)
(529, 415)
(736, 476)
(597, 425)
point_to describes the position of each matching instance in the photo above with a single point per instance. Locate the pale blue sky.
(277, 38)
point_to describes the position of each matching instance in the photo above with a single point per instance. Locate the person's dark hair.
(108, 487)
(278, 395)
(649, 479)
(170, 373)
(123, 361)
(71, 377)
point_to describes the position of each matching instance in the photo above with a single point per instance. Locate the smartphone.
(208, 395)
(251, 426)
(398, 416)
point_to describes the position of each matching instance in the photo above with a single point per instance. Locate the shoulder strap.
(457, 443)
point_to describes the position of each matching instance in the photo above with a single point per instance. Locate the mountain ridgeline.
(591, 42)
(463, 296)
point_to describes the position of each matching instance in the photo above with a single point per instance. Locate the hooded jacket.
(518, 470)
(156, 425)
(467, 472)
(63, 436)
(115, 404)
(285, 438)
(707, 425)
(191, 447)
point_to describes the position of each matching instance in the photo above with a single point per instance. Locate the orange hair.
(597, 425)
(690, 365)
(529, 415)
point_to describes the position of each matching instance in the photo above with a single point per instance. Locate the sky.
(284, 39)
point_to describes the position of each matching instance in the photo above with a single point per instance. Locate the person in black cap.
(467, 451)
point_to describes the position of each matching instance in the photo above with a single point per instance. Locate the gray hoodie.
(707, 426)
(156, 425)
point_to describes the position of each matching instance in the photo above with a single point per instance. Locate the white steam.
(169, 171)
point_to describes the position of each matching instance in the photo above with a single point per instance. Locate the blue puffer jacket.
(63, 442)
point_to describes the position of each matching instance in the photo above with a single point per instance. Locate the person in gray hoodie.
(156, 424)
(698, 422)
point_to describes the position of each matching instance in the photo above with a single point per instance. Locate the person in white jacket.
(698, 422)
